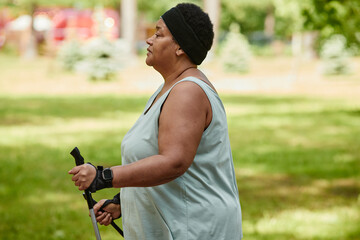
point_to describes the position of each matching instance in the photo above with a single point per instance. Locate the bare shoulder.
(188, 101)
(188, 91)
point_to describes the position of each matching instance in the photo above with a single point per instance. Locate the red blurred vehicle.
(84, 24)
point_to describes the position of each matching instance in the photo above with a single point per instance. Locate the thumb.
(98, 205)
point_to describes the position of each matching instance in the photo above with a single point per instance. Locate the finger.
(81, 187)
(96, 208)
(101, 217)
(96, 214)
(107, 220)
(74, 170)
(80, 183)
(77, 183)
(75, 177)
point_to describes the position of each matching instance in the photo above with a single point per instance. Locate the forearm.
(151, 171)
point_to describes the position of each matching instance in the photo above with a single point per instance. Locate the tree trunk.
(129, 24)
(31, 45)
(270, 23)
(212, 7)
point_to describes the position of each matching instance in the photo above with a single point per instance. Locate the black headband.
(184, 35)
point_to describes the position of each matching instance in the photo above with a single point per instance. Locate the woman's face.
(162, 47)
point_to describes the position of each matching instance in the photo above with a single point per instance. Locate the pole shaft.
(95, 226)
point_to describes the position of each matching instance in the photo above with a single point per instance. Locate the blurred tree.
(334, 17)
(290, 24)
(258, 20)
(289, 18)
(249, 14)
(152, 10)
(25, 7)
(274, 18)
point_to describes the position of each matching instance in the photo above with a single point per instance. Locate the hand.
(84, 175)
(111, 211)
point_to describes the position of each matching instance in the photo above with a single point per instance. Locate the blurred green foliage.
(328, 17)
(152, 10)
(331, 17)
(250, 15)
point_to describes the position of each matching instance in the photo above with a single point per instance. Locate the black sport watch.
(107, 175)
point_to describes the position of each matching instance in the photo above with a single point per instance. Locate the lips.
(148, 50)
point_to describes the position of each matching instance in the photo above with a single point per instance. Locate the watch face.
(107, 174)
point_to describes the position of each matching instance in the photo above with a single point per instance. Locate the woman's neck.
(175, 76)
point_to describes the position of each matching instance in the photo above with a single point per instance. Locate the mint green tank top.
(203, 203)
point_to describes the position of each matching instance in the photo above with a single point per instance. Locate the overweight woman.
(177, 176)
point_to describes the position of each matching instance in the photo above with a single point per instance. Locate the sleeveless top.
(203, 203)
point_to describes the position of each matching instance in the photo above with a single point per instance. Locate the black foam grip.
(79, 160)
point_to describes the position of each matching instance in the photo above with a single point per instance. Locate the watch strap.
(99, 182)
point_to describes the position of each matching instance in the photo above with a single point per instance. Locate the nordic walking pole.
(79, 160)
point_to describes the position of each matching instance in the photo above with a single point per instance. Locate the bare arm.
(182, 121)
(184, 116)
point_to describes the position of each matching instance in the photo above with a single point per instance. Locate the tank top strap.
(209, 91)
(206, 87)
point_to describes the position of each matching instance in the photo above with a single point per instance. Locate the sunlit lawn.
(297, 163)
(298, 166)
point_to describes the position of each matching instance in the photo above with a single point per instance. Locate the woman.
(177, 177)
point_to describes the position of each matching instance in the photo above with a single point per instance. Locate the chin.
(148, 62)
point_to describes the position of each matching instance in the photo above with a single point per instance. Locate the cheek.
(168, 49)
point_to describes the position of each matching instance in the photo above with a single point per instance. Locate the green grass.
(297, 163)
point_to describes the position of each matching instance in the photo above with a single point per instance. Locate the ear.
(179, 52)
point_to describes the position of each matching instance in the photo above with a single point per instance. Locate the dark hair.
(199, 22)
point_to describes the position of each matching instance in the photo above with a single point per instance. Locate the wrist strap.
(99, 182)
(115, 200)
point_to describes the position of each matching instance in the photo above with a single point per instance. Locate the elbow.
(179, 167)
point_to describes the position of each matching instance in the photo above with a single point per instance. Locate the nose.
(150, 40)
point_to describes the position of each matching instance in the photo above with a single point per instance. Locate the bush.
(335, 56)
(99, 58)
(70, 54)
(235, 52)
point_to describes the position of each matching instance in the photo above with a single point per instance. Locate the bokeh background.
(72, 73)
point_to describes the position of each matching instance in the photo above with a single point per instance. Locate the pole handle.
(79, 160)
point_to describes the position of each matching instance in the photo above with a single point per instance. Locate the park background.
(287, 72)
